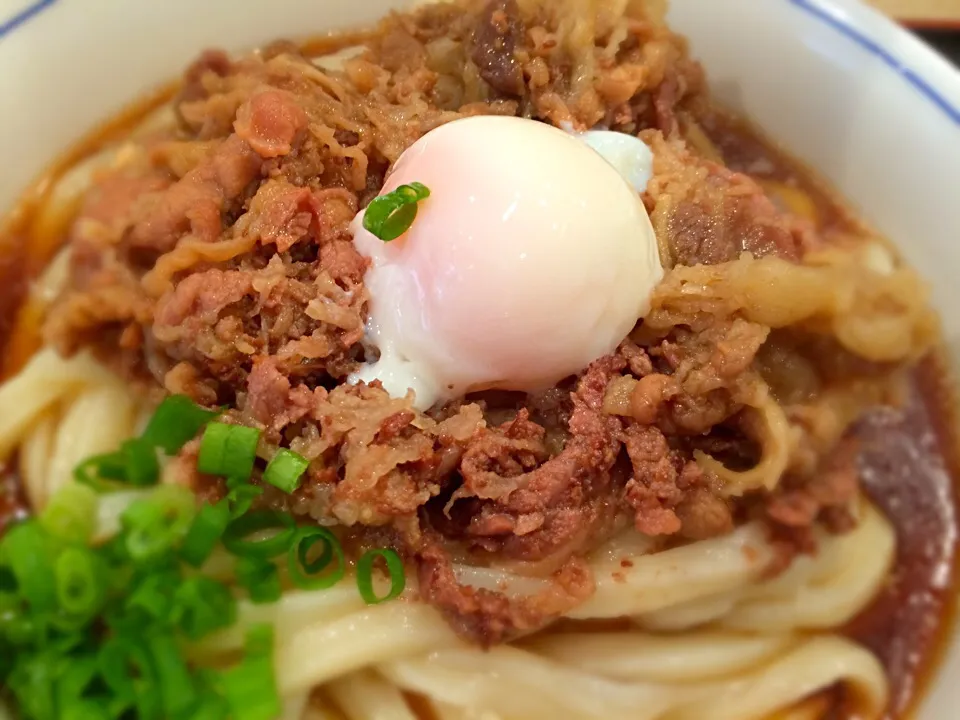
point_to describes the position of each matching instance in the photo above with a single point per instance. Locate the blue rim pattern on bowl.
(811, 7)
(871, 46)
(35, 8)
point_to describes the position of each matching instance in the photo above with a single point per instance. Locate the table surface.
(943, 12)
(946, 42)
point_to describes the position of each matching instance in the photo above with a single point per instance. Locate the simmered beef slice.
(705, 214)
(499, 33)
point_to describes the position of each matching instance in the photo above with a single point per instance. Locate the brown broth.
(909, 466)
(907, 461)
(26, 245)
(745, 149)
(910, 459)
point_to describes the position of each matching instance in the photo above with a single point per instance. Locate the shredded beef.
(652, 491)
(496, 38)
(215, 62)
(827, 494)
(709, 214)
(702, 513)
(490, 617)
(216, 260)
(282, 214)
(271, 401)
(270, 122)
(533, 513)
(195, 203)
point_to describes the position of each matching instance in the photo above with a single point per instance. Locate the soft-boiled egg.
(532, 257)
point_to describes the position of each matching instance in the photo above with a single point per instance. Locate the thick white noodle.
(46, 380)
(816, 665)
(825, 591)
(109, 510)
(65, 197)
(97, 421)
(367, 695)
(751, 662)
(293, 612)
(520, 684)
(816, 593)
(35, 452)
(681, 658)
(325, 650)
(631, 584)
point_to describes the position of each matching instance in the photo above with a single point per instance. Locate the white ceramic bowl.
(862, 101)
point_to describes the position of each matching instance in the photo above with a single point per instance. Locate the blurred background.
(936, 21)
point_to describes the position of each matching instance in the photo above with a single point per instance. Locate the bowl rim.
(23, 16)
(905, 58)
(916, 63)
(932, 76)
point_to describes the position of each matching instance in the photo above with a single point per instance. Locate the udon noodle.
(721, 627)
(710, 637)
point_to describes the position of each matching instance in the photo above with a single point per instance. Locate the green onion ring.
(365, 575)
(391, 215)
(234, 536)
(306, 574)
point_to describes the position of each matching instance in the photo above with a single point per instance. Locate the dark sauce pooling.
(909, 465)
(906, 471)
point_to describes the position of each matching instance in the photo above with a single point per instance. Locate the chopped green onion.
(71, 514)
(9, 600)
(304, 573)
(250, 688)
(29, 554)
(61, 632)
(390, 216)
(260, 579)
(80, 587)
(258, 642)
(205, 533)
(103, 473)
(228, 450)
(8, 583)
(140, 462)
(74, 681)
(365, 575)
(177, 691)
(176, 421)
(32, 684)
(154, 595)
(120, 660)
(127, 670)
(154, 525)
(135, 463)
(285, 469)
(210, 707)
(100, 632)
(84, 710)
(21, 629)
(234, 539)
(203, 605)
(240, 499)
